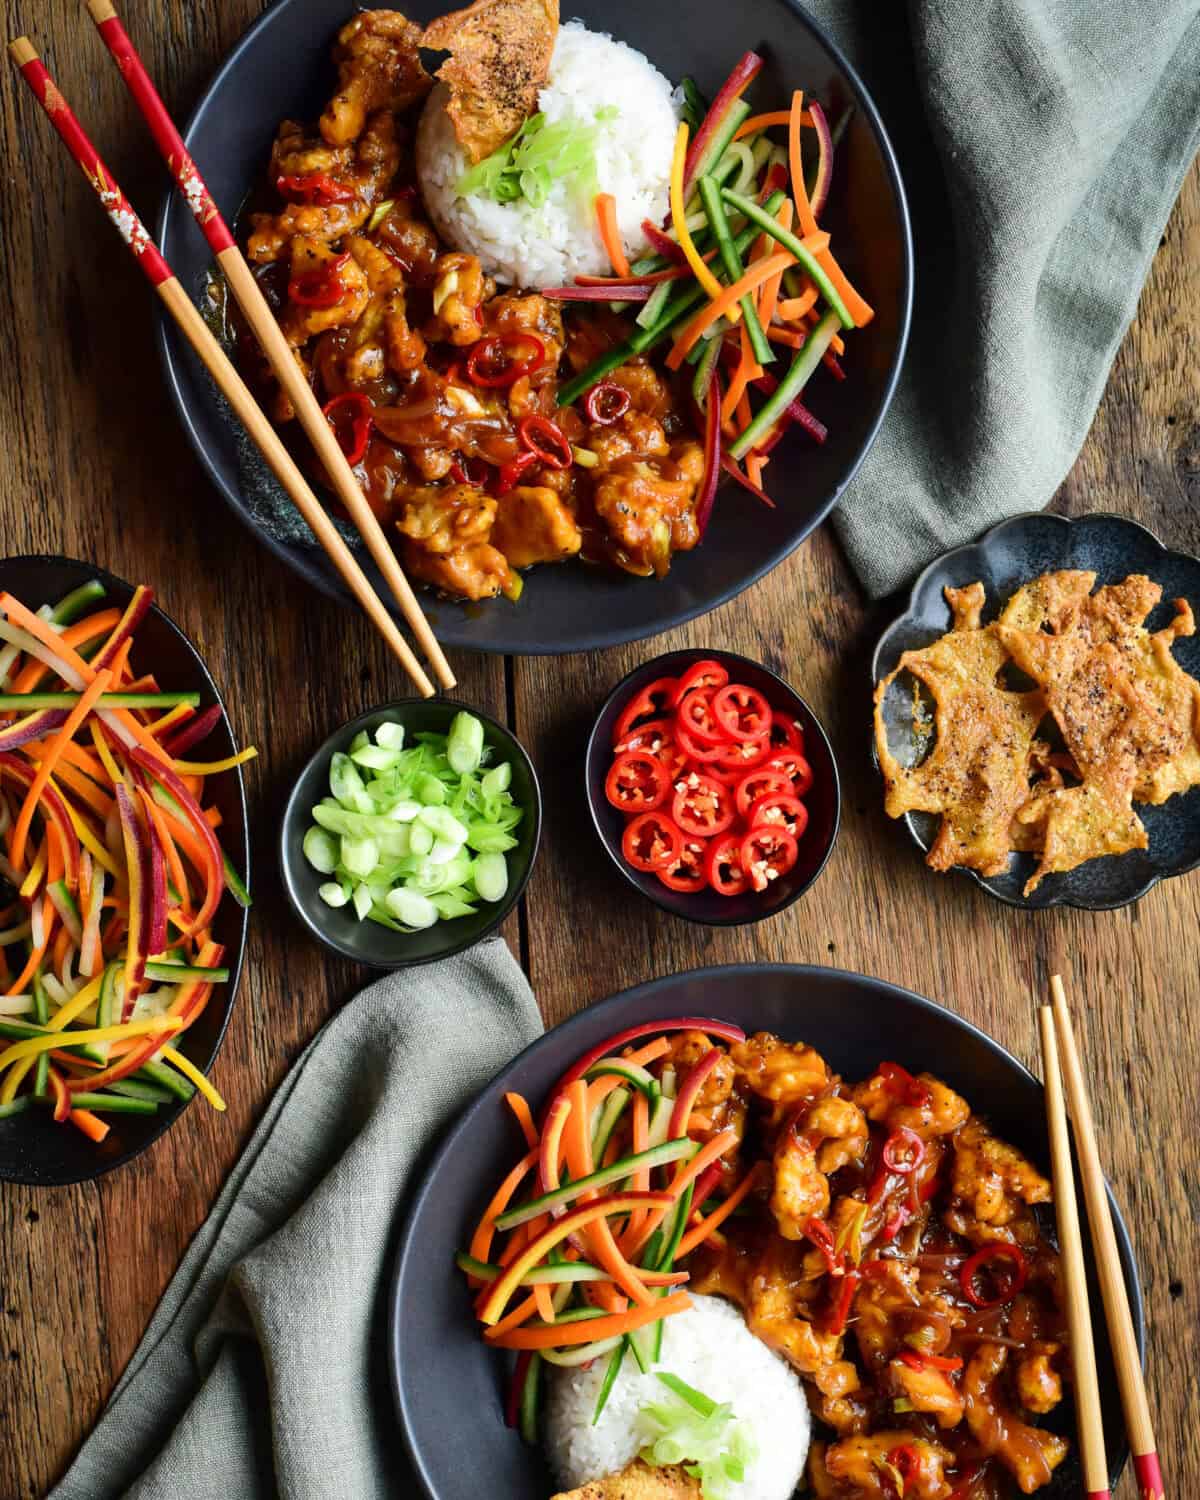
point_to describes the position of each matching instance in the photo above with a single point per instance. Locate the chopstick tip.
(1057, 993)
(22, 51)
(101, 11)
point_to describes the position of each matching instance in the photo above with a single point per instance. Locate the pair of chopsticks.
(1058, 1037)
(266, 330)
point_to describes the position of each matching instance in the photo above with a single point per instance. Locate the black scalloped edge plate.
(1003, 558)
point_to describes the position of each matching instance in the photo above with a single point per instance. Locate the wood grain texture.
(97, 467)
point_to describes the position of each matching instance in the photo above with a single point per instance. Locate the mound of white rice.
(551, 243)
(711, 1348)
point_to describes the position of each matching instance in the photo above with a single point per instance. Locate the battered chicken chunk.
(534, 526)
(453, 527)
(860, 1466)
(992, 1178)
(1030, 1454)
(379, 67)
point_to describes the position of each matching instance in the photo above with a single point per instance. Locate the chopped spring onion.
(413, 836)
(540, 153)
(687, 1427)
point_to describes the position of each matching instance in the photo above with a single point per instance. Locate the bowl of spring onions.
(410, 833)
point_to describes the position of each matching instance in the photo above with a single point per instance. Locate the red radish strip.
(613, 291)
(707, 492)
(710, 1027)
(512, 1406)
(745, 72)
(734, 472)
(689, 1090)
(548, 1152)
(198, 729)
(797, 412)
(51, 804)
(137, 864)
(135, 612)
(32, 727)
(651, 278)
(707, 1180)
(663, 243)
(820, 193)
(215, 874)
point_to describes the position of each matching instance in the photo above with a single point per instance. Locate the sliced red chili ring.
(636, 782)
(779, 810)
(649, 702)
(537, 432)
(903, 1151)
(695, 713)
(760, 783)
(697, 749)
(651, 735)
(474, 471)
(818, 1231)
(322, 286)
(686, 874)
(793, 765)
(768, 853)
(313, 187)
(651, 841)
(786, 734)
(918, 1361)
(606, 403)
(743, 755)
(720, 773)
(900, 1083)
(1006, 1287)
(895, 1222)
(905, 1460)
(352, 418)
(701, 805)
(496, 361)
(723, 866)
(508, 475)
(742, 712)
(706, 673)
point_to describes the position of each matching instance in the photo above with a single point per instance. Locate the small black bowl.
(823, 799)
(33, 1149)
(368, 942)
(1004, 558)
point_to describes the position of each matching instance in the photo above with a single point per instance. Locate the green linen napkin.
(1042, 143)
(262, 1373)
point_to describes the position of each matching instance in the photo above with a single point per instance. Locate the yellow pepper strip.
(212, 767)
(169, 720)
(35, 1044)
(189, 1070)
(14, 1080)
(679, 219)
(105, 754)
(33, 879)
(89, 840)
(80, 1002)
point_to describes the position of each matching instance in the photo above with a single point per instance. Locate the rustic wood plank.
(98, 468)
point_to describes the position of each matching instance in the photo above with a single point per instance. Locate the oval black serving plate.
(1003, 559)
(439, 1364)
(33, 1149)
(280, 70)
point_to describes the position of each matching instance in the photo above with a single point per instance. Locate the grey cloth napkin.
(1042, 143)
(262, 1373)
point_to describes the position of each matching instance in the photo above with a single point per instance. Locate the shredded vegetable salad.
(111, 871)
(575, 1256)
(411, 837)
(742, 276)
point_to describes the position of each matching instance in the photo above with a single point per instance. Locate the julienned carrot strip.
(598, 1234)
(600, 1088)
(520, 1107)
(559, 1335)
(679, 220)
(53, 750)
(768, 294)
(744, 414)
(485, 1230)
(721, 304)
(111, 769)
(17, 986)
(83, 787)
(606, 218)
(764, 122)
(787, 336)
(791, 308)
(92, 1125)
(718, 1216)
(685, 1172)
(520, 1314)
(755, 464)
(859, 309)
(59, 956)
(212, 816)
(75, 635)
(120, 663)
(54, 857)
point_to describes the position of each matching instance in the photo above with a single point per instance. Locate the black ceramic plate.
(449, 1388)
(823, 799)
(369, 942)
(1003, 559)
(32, 1148)
(281, 69)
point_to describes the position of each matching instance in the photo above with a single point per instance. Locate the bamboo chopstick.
(196, 331)
(1079, 1319)
(1108, 1262)
(265, 327)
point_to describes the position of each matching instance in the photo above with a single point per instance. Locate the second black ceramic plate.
(281, 70)
(1003, 559)
(449, 1387)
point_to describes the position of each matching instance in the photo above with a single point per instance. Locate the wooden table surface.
(97, 467)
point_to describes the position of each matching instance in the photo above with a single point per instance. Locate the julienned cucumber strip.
(710, 196)
(11, 701)
(789, 387)
(657, 1156)
(767, 222)
(72, 605)
(616, 1360)
(116, 1104)
(41, 1014)
(167, 1078)
(184, 973)
(738, 111)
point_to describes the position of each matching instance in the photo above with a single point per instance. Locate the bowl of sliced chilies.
(122, 850)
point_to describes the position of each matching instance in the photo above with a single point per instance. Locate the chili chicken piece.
(534, 526)
(379, 68)
(1030, 1454)
(868, 1468)
(992, 1179)
(451, 528)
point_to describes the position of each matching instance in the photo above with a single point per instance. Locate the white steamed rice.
(552, 243)
(711, 1348)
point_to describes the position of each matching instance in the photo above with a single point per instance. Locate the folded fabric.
(262, 1373)
(1042, 143)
